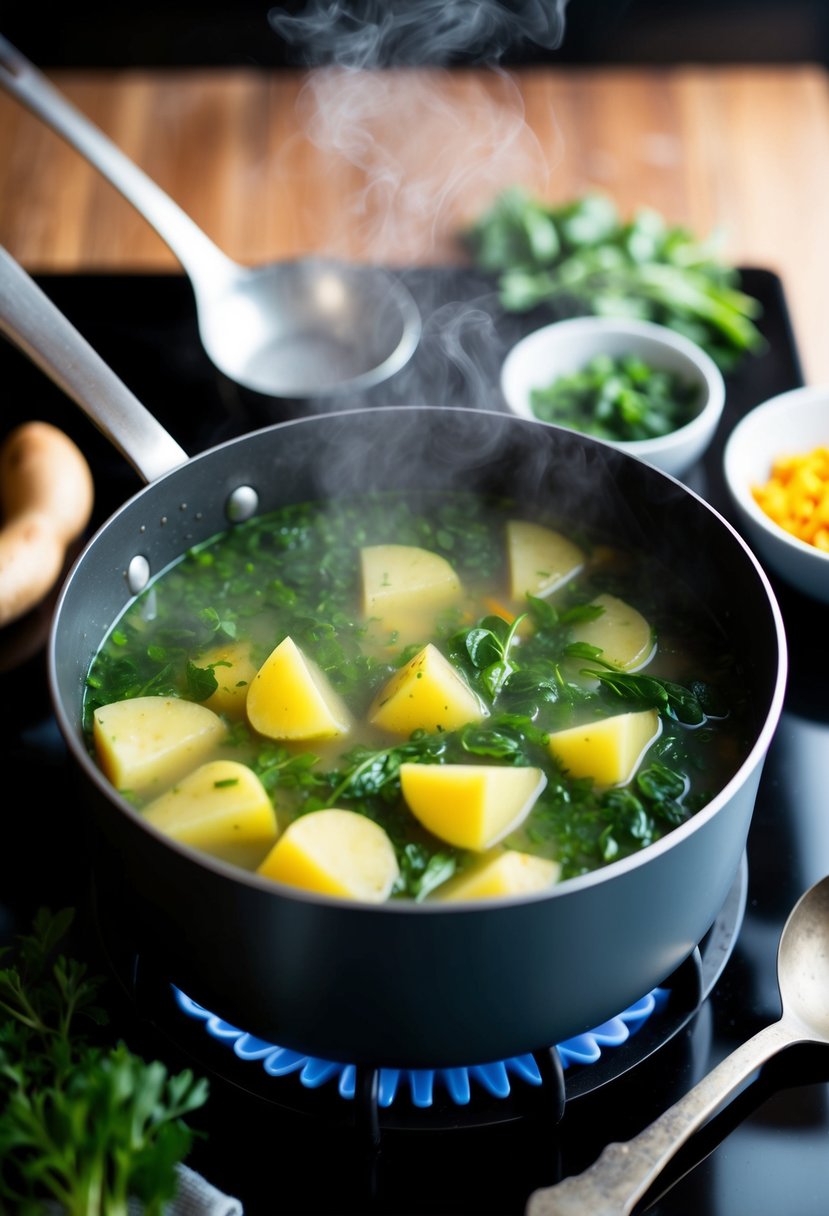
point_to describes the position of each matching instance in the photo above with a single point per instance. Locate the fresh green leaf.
(201, 681)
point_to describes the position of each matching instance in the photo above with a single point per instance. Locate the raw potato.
(472, 806)
(540, 560)
(234, 671)
(144, 744)
(621, 633)
(504, 873)
(223, 809)
(46, 495)
(334, 852)
(406, 579)
(608, 750)
(290, 698)
(425, 694)
(31, 559)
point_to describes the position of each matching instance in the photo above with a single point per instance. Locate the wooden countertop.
(387, 166)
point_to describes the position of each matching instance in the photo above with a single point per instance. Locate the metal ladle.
(287, 329)
(621, 1175)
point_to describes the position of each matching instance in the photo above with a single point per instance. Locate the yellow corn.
(796, 496)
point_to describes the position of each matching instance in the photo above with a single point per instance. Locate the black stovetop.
(766, 1154)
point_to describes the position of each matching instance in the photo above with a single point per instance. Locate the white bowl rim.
(808, 395)
(635, 327)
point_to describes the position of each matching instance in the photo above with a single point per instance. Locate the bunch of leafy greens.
(581, 257)
(83, 1125)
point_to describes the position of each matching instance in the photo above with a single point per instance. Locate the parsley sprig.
(82, 1124)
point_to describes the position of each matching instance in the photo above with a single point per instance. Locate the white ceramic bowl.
(792, 423)
(565, 346)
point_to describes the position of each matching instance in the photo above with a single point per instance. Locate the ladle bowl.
(619, 1178)
(289, 329)
(308, 327)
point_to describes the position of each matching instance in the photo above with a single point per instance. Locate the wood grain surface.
(387, 166)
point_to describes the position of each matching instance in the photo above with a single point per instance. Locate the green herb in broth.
(296, 573)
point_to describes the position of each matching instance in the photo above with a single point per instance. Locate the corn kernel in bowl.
(796, 495)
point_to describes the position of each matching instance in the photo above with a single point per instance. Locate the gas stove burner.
(381, 1101)
(494, 1078)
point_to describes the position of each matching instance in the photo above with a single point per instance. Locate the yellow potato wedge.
(290, 698)
(334, 852)
(609, 750)
(622, 634)
(405, 579)
(234, 670)
(540, 559)
(221, 808)
(472, 806)
(427, 693)
(501, 874)
(144, 744)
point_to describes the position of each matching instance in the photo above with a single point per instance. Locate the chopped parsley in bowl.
(620, 397)
(635, 384)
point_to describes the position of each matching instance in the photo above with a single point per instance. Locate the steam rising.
(421, 172)
(425, 169)
(387, 33)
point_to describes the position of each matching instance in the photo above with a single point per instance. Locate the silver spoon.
(287, 329)
(621, 1175)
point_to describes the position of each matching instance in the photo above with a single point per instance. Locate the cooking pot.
(397, 984)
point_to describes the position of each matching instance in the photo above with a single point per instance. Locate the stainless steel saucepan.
(396, 984)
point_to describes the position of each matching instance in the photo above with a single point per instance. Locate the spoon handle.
(193, 248)
(623, 1172)
(30, 319)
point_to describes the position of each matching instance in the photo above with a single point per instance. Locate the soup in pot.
(433, 697)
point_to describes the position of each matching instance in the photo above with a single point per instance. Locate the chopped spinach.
(620, 398)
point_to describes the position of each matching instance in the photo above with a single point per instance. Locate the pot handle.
(30, 319)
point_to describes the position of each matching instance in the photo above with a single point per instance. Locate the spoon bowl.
(803, 964)
(292, 329)
(615, 1183)
(301, 328)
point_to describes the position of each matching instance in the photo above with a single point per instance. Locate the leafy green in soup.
(415, 697)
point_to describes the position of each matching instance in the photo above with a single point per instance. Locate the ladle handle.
(622, 1174)
(30, 319)
(200, 257)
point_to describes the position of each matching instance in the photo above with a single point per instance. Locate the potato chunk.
(144, 744)
(334, 852)
(290, 698)
(427, 693)
(234, 670)
(621, 633)
(472, 806)
(405, 590)
(221, 808)
(504, 872)
(540, 559)
(404, 579)
(608, 750)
